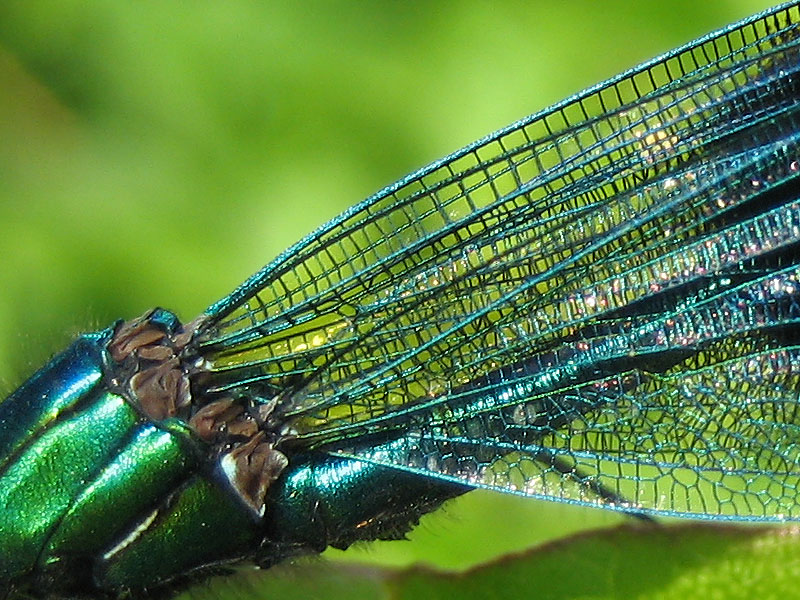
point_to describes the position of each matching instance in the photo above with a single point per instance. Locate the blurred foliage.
(157, 153)
(691, 562)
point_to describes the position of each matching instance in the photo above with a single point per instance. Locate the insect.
(597, 304)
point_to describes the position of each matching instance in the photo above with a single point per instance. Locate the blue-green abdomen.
(325, 500)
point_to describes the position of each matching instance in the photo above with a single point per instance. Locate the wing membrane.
(716, 441)
(578, 297)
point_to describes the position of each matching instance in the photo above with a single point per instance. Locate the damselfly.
(596, 305)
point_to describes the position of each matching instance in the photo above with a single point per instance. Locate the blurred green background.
(158, 153)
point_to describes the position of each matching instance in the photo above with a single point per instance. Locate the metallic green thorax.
(89, 483)
(98, 496)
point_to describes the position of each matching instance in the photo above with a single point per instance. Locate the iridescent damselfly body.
(596, 304)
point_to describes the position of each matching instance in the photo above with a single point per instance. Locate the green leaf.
(686, 562)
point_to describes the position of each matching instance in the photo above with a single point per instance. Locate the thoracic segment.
(150, 371)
